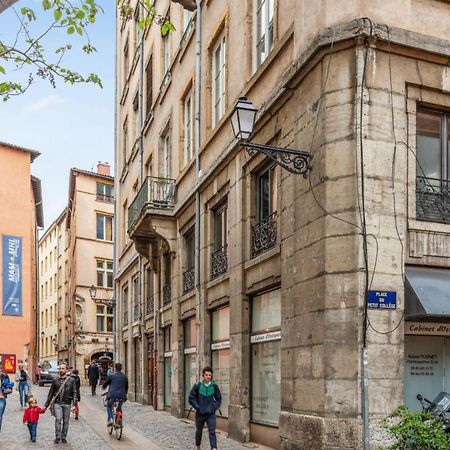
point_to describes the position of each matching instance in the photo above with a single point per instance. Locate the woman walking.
(23, 379)
(6, 387)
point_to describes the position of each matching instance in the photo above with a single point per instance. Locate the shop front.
(427, 334)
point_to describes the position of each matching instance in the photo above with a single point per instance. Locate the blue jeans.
(200, 423)
(23, 392)
(32, 427)
(109, 406)
(2, 410)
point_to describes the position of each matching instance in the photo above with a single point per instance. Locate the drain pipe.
(197, 145)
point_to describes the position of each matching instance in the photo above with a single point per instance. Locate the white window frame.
(263, 29)
(218, 79)
(104, 270)
(105, 216)
(166, 53)
(165, 166)
(188, 127)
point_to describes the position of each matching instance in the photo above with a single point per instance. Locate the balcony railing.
(105, 198)
(433, 199)
(188, 280)
(264, 235)
(219, 262)
(137, 312)
(167, 295)
(125, 318)
(150, 305)
(154, 192)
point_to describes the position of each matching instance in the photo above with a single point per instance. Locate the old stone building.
(284, 283)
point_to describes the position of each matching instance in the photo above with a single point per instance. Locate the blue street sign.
(382, 300)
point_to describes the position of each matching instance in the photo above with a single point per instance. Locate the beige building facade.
(89, 226)
(284, 283)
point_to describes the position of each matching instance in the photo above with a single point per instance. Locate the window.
(136, 299)
(126, 61)
(188, 128)
(105, 319)
(187, 16)
(190, 357)
(137, 29)
(166, 53)
(264, 29)
(125, 305)
(149, 286)
(189, 274)
(104, 227)
(218, 80)
(167, 366)
(42, 267)
(266, 357)
(105, 192)
(137, 127)
(125, 143)
(219, 260)
(125, 223)
(149, 86)
(267, 193)
(433, 165)
(104, 273)
(167, 289)
(164, 165)
(220, 353)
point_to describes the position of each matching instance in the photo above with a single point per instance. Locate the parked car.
(48, 373)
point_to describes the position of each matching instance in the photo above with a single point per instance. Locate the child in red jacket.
(31, 417)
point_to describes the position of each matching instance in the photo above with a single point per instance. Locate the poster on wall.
(12, 275)
(8, 363)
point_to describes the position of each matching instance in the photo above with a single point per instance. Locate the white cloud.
(44, 103)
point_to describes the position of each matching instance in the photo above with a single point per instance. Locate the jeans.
(32, 427)
(62, 414)
(23, 392)
(199, 424)
(2, 410)
(110, 405)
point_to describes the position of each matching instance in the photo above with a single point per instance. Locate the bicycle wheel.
(118, 426)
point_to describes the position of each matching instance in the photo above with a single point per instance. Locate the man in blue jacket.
(118, 390)
(205, 398)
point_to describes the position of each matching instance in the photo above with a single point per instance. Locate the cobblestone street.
(144, 428)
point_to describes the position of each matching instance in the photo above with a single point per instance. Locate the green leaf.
(46, 4)
(71, 30)
(57, 14)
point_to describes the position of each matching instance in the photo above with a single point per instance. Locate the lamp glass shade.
(93, 291)
(243, 119)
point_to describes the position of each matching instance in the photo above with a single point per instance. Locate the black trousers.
(200, 423)
(93, 384)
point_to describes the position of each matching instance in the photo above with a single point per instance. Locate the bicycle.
(117, 425)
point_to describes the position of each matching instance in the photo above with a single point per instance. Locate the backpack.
(6, 384)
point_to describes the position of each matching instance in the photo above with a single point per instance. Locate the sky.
(70, 125)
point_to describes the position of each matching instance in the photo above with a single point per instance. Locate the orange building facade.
(21, 214)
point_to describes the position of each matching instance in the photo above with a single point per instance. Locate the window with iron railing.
(219, 258)
(105, 192)
(433, 165)
(189, 274)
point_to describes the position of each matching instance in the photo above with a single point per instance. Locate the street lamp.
(243, 121)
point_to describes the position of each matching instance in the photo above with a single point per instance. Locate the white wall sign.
(427, 328)
(220, 345)
(273, 336)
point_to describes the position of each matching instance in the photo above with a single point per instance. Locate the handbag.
(52, 403)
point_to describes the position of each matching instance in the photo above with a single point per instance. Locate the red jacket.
(31, 414)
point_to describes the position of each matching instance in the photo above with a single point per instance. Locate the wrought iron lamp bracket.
(295, 161)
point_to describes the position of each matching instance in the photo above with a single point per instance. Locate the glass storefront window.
(221, 367)
(190, 376)
(266, 311)
(221, 324)
(266, 382)
(167, 381)
(190, 333)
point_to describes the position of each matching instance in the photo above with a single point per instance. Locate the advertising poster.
(12, 275)
(8, 363)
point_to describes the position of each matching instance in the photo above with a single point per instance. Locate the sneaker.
(56, 441)
(110, 423)
(76, 418)
(33, 440)
(64, 440)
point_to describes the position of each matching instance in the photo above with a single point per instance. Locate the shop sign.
(9, 363)
(190, 350)
(382, 300)
(220, 345)
(12, 275)
(427, 328)
(167, 354)
(273, 336)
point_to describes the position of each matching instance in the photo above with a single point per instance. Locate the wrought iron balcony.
(433, 199)
(137, 312)
(167, 295)
(219, 262)
(150, 305)
(125, 318)
(188, 280)
(155, 193)
(105, 198)
(264, 235)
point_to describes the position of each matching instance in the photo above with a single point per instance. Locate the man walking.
(62, 393)
(118, 390)
(93, 375)
(205, 398)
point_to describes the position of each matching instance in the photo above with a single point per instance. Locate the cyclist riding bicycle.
(118, 390)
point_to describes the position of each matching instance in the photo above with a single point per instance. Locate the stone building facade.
(225, 258)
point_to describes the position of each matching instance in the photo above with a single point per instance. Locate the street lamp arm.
(295, 161)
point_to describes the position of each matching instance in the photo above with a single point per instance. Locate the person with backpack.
(205, 398)
(6, 387)
(76, 409)
(94, 376)
(23, 381)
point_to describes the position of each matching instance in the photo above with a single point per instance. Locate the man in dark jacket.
(118, 390)
(62, 393)
(205, 398)
(75, 375)
(93, 375)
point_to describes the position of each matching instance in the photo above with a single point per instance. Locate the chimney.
(103, 168)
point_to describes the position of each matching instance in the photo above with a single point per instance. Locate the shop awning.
(427, 293)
